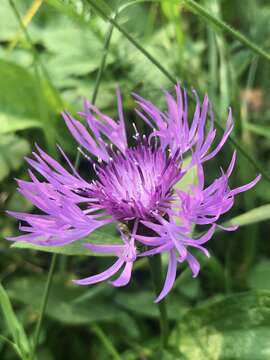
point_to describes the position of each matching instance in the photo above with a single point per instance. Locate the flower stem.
(43, 304)
(156, 272)
(106, 342)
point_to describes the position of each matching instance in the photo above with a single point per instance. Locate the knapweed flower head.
(135, 188)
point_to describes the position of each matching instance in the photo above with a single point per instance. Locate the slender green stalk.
(235, 143)
(43, 304)
(132, 40)
(157, 278)
(220, 24)
(105, 340)
(99, 75)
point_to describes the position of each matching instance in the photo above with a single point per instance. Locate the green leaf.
(142, 303)
(259, 276)
(14, 326)
(258, 129)
(12, 344)
(63, 305)
(20, 96)
(261, 213)
(8, 22)
(11, 123)
(107, 235)
(12, 151)
(234, 327)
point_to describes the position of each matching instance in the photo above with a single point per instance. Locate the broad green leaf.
(261, 213)
(14, 326)
(8, 22)
(65, 62)
(142, 303)
(12, 151)
(259, 276)
(19, 100)
(63, 305)
(76, 248)
(11, 123)
(235, 327)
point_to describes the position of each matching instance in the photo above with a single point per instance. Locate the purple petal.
(170, 277)
(102, 276)
(245, 187)
(193, 264)
(124, 278)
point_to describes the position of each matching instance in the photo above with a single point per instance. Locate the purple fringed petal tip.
(135, 187)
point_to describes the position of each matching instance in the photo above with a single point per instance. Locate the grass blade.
(14, 326)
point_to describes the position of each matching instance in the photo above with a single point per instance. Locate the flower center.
(134, 184)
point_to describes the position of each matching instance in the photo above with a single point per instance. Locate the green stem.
(132, 40)
(99, 76)
(232, 140)
(106, 342)
(157, 278)
(208, 17)
(43, 304)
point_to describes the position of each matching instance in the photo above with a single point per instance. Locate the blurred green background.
(225, 312)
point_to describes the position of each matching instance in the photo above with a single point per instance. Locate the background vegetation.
(51, 63)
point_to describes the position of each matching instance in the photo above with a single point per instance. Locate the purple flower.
(134, 186)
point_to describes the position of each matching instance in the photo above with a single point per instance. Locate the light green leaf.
(261, 213)
(14, 326)
(20, 97)
(11, 123)
(12, 151)
(103, 236)
(190, 178)
(235, 327)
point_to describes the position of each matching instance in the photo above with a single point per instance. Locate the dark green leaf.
(259, 276)
(142, 303)
(63, 305)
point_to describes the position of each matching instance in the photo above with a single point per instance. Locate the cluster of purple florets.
(136, 188)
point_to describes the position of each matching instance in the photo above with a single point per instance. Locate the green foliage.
(142, 304)
(261, 213)
(12, 151)
(66, 304)
(234, 327)
(18, 93)
(76, 248)
(20, 344)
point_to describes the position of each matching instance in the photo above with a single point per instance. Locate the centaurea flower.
(134, 186)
